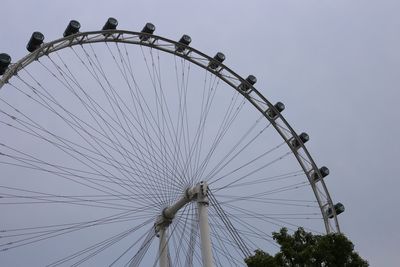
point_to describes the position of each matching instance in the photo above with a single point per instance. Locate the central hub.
(196, 193)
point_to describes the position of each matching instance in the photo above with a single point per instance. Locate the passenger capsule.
(185, 40)
(339, 208)
(218, 59)
(303, 137)
(279, 106)
(35, 42)
(324, 171)
(72, 28)
(111, 24)
(5, 61)
(148, 28)
(244, 86)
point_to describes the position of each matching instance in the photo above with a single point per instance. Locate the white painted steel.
(163, 247)
(206, 251)
(197, 193)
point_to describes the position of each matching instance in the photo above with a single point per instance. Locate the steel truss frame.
(229, 77)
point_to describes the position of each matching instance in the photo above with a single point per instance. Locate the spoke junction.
(198, 193)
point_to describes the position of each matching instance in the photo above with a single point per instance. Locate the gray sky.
(335, 65)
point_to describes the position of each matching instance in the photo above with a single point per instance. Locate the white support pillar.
(205, 238)
(197, 193)
(163, 247)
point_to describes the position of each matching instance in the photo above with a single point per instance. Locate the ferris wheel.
(122, 148)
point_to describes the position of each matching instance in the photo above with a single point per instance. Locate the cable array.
(98, 139)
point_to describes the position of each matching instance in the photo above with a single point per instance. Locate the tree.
(303, 249)
(261, 258)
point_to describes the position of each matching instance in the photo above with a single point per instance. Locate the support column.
(205, 238)
(163, 247)
(197, 193)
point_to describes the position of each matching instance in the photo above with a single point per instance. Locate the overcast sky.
(334, 63)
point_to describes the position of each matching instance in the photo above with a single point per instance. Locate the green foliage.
(261, 259)
(303, 249)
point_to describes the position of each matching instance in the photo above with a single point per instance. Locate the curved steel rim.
(222, 71)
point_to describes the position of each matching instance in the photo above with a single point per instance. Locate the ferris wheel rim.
(202, 60)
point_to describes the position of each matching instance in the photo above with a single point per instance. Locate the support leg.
(163, 248)
(205, 238)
